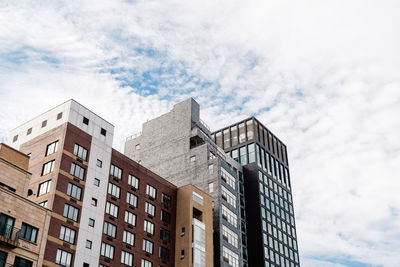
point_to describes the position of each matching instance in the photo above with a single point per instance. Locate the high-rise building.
(106, 209)
(271, 226)
(244, 167)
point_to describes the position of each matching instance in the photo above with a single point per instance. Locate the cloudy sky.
(324, 76)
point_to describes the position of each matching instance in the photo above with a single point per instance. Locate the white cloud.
(323, 76)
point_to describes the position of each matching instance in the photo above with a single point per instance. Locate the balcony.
(9, 235)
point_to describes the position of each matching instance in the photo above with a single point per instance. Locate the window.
(198, 198)
(71, 212)
(67, 234)
(229, 216)
(20, 262)
(63, 258)
(165, 216)
(229, 179)
(131, 199)
(99, 163)
(164, 254)
(94, 202)
(29, 131)
(127, 258)
(91, 222)
(164, 235)
(133, 181)
(112, 209)
(183, 231)
(150, 209)
(110, 229)
(230, 236)
(146, 263)
(182, 254)
(230, 257)
(28, 232)
(43, 204)
(96, 182)
(107, 250)
(192, 158)
(114, 190)
(48, 167)
(210, 187)
(44, 188)
(80, 151)
(3, 258)
(147, 246)
(243, 155)
(85, 120)
(137, 147)
(44, 123)
(116, 172)
(59, 115)
(252, 155)
(149, 227)
(74, 191)
(166, 200)
(151, 191)
(130, 218)
(103, 131)
(15, 138)
(242, 133)
(235, 155)
(128, 238)
(228, 196)
(210, 169)
(227, 140)
(88, 244)
(77, 171)
(87, 264)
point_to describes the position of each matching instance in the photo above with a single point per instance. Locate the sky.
(324, 76)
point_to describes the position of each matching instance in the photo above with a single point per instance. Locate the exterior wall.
(184, 218)
(145, 177)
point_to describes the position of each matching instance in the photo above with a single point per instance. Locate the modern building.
(23, 223)
(107, 210)
(244, 167)
(177, 146)
(271, 226)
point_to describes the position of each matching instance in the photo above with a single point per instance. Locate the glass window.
(164, 235)
(230, 236)
(147, 246)
(99, 163)
(128, 238)
(52, 148)
(235, 155)
(130, 218)
(148, 227)
(63, 258)
(44, 188)
(71, 212)
(44, 203)
(114, 190)
(258, 155)
(228, 196)
(150, 209)
(252, 154)
(164, 254)
(151, 191)
(59, 115)
(91, 222)
(74, 191)
(131, 199)
(77, 171)
(110, 229)
(133, 181)
(166, 200)
(242, 133)
(127, 258)
(165, 216)
(96, 182)
(112, 209)
(234, 135)
(48, 167)
(230, 257)
(116, 172)
(28, 232)
(218, 139)
(107, 250)
(146, 263)
(250, 129)
(67, 234)
(243, 155)
(227, 139)
(88, 244)
(229, 216)
(229, 179)
(80, 151)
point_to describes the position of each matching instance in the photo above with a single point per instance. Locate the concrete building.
(177, 146)
(107, 210)
(23, 223)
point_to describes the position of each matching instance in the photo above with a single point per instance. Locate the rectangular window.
(15, 138)
(218, 139)
(74, 191)
(252, 154)
(210, 187)
(133, 181)
(229, 216)
(128, 238)
(52, 148)
(147, 246)
(28, 232)
(116, 172)
(230, 236)
(166, 200)
(242, 133)
(44, 123)
(110, 229)
(130, 218)
(127, 258)
(146, 263)
(59, 115)
(96, 182)
(85, 121)
(150, 209)
(165, 216)
(88, 244)
(235, 155)
(107, 250)
(63, 258)
(80, 151)
(234, 134)
(131, 199)
(228, 196)
(99, 163)
(112, 209)
(67, 234)
(227, 139)
(71, 212)
(48, 167)
(243, 155)
(164, 235)
(229, 179)
(151, 191)
(44, 188)
(164, 254)
(91, 222)
(149, 227)
(103, 131)
(77, 171)
(250, 129)
(230, 257)
(114, 190)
